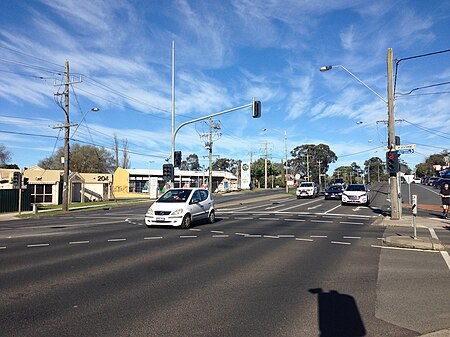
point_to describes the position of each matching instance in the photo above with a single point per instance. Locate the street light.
(286, 155)
(95, 109)
(394, 188)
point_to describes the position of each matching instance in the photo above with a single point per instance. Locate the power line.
(28, 55)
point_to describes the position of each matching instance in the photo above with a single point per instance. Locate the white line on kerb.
(153, 238)
(77, 242)
(341, 243)
(39, 245)
(116, 240)
(408, 249)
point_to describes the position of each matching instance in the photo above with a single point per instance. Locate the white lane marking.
(444, 254)
(298, 220)
(217, 232)
(38, 245)
(3, 247)
(300, 239)
(224, 217)
(220, 236)
(242, 218)
(296, 206)
(351, 237)
(268, 219)
(78, 242)
(351, 223)
(195, 229)
(241, 234)
(318, 236)
(252, 236)
(153, 238)
(332, 209)
(187, 236)
(340, 243)
(286, 236)
(331, 217)
(446, 258)
(308, 215)
(359, 217)
(116, 240)
(325, 221)
(271, 236)
(433, 233)
(407, 249)
(314, 207)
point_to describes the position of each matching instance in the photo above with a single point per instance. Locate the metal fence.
(9, 200)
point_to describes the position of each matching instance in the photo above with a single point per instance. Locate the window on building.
(41, 193)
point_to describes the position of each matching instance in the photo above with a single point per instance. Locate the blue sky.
(226, 52)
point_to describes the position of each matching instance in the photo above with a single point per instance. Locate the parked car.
(334, 192)
(179, 207)
(416, 181)
(441, 181)
(356, 194)
(308, 189)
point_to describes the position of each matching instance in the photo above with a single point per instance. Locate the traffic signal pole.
(394, 193)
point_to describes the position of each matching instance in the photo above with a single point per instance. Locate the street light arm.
(326, 68)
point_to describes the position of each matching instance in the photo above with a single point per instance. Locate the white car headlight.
(150, 212)
(178, 211)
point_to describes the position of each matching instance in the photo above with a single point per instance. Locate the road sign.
(405, 151)
(405, 147)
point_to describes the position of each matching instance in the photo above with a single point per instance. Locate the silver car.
(179, 207)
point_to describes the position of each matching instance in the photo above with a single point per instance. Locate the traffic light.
(256, 109)
(168, 172)
(177, 159)
(25, 181)
(16, 179)
(392, 164)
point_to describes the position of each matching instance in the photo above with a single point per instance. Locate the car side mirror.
(195, 201)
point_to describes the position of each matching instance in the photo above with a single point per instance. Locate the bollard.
(35, 209)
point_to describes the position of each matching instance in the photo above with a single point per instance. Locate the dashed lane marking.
(38, 245)
(153, 238)
(300, 239)
(351, 223)
(271, 236)
(217, 232)
(242, 218)
(286, 236)
(220, 236)
(252, 236)
(324, 221)
(116, 240)
(318, 236)
(195, 229)
(298, 220)
(268, 219)
(340, 243)
(446, 258)
(78, 242)
(351, 237)
(188, 236)
(3, 247)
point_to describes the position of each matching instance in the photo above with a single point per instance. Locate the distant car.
(356, 194)
(431, 181)
(416, 181)
(339, 181)
(334, 192)
(179, 207)
(308, 189)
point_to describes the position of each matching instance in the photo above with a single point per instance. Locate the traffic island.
(424, 243)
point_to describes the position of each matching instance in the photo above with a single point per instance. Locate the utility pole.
(66, 126)
(286, 163)
(320, 181)
(172, 154)
(396, 211)
(307, 166)
(210, 155)
(265, 165)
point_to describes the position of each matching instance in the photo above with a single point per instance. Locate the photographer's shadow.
(338, 314)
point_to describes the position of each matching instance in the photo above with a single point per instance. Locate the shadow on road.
(338, 314)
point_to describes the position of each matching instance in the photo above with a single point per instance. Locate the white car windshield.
(175, 196)
(356, 188)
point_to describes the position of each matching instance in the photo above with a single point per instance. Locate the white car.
(307, 189)
(179, 207)
(356, 194)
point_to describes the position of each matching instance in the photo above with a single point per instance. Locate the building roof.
(148, 172)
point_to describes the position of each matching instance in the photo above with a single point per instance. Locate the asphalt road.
(269, 266)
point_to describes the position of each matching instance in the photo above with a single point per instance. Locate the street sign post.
(405, 151)
(405, 147)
